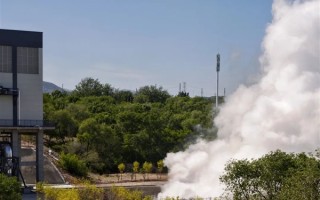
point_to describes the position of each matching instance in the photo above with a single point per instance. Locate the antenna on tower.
(218, 69)
(179, 88)
(1, 13)
(184, 87)
(201, 92)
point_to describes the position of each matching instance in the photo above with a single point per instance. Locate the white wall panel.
(6, 101)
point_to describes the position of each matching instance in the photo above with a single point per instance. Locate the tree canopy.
(277, 175)
(106, 126)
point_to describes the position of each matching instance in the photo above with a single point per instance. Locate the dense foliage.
(277, 175)
(88, 191)
(84, 191)
(73, 164)
(105, 126)
(9, 188)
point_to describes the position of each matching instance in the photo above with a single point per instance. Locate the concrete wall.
(30, 100)
(6, 101)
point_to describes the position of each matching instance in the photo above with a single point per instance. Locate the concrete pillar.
(39, 156)
(16, 143)
(16, 147)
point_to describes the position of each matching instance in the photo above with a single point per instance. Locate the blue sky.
(133, 43)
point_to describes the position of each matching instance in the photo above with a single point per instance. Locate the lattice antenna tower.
(218, 69)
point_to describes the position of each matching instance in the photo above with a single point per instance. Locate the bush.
(90, 192)
(60, 194)
(85, 192)
(73, 164)
(121, 193)
(9, 188)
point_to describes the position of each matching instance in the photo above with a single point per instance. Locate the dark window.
(28, 60)
(6, 59)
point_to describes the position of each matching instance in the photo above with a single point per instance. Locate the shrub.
(9, 188)
(90, 192)
(86, 192)
(121, 193)
(60, 194)
(73, 164)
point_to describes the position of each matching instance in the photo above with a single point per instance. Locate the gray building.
(21, 99)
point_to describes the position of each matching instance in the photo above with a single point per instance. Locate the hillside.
(50, 87)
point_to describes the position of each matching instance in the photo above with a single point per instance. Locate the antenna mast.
(218, 69)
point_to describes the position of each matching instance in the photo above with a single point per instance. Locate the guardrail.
(26, 123)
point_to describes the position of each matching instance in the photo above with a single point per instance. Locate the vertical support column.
(39, 156)
(15, 84)
(16, 143)
(16, 148)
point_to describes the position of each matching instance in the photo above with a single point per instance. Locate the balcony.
(35, 124)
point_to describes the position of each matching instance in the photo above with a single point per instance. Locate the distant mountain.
(50, 87)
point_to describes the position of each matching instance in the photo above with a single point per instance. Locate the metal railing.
(25, 123)
(9, 166)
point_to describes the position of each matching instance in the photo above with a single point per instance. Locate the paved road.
(51, 175)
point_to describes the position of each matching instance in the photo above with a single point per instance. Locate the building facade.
(21, 76)
(21, 98)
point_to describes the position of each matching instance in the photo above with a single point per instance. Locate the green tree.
(277, 175)
(147, 168)
(79, 112)
(89, 130)
(304, 184)
(89, 87)
(65, 125)
(107, 90)
(121, 168)
(73, 164)
(160, 166)
(114, 126)
(135, 168)
(123, 96)
(108, 146)
(151, 94)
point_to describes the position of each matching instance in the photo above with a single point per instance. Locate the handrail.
(25, 123)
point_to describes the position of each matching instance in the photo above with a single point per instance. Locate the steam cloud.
(281, 111)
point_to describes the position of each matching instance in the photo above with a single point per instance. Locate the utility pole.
(218, 69)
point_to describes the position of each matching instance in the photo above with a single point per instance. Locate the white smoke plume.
(281, 111)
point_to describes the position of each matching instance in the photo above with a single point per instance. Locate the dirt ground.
(127, 177)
